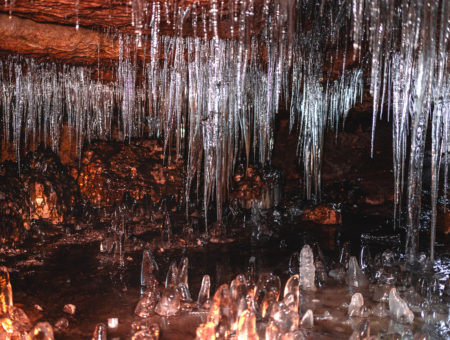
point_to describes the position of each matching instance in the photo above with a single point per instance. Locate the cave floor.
(71, 269)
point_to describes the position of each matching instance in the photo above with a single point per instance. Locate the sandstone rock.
(59, 42)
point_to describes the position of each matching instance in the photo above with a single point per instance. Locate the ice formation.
(169, 303)
(308, 319)
(355, 276)
(252, 307)
(14, 323)
(356, 303)
(203, 295)
(307, 269)
(398, 308)
(149, 269)
(219, 96)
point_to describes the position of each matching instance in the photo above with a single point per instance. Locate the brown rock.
(47, 28)
(261, 187)
(111, 171)
(117, 14)
(34, 39)
(443, 220)
(322, 214)
(14, 207)
(52, 192)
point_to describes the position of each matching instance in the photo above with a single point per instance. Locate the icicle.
(77, 9)
(219, 97)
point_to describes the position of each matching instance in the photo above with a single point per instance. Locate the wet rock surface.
(14, 206)
(257, 186)
(43, 192)
(54, 195)
(443, 220)
(110, 172)
(128, 201)
(111, 179)
(323, 214)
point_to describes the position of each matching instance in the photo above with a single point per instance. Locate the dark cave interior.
(247, 169)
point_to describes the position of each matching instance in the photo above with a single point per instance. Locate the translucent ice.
(100, 332)
(149, 333)
(307, 269)
(247, 326)
(203, 300)
(206, 331)
(44, 331)
(354, 308)
(308, 319)
(398, 308)
(218, 97)
(272, 331)
(6, 297)
(238, 288)
(268, 292)
(284, 318)
(365, 259)
(387, 258)
(149, 269)
(221, 313)
(169, 303)
(177, 276)
(291, 292)
(15, 323)
(146, 305)
(355, 276)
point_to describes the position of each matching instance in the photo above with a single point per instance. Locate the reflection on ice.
(261, 308)
(398, 308)
(14, 323)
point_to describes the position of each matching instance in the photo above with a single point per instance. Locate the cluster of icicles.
(14, 323)
(255, 307)
(219, 96)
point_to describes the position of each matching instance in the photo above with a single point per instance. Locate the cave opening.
(239, 169)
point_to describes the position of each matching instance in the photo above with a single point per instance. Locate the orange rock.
(322, 214)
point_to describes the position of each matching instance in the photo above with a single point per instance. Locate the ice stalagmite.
(169, 303)
(247, 326)
(6, 297)
(307, 269)
(398, 308)
(308, 319)
(203, 295)
(146, 305)
(356, 303)
(291, 292)
(42, 330)
(355, 276)
(149, 269)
